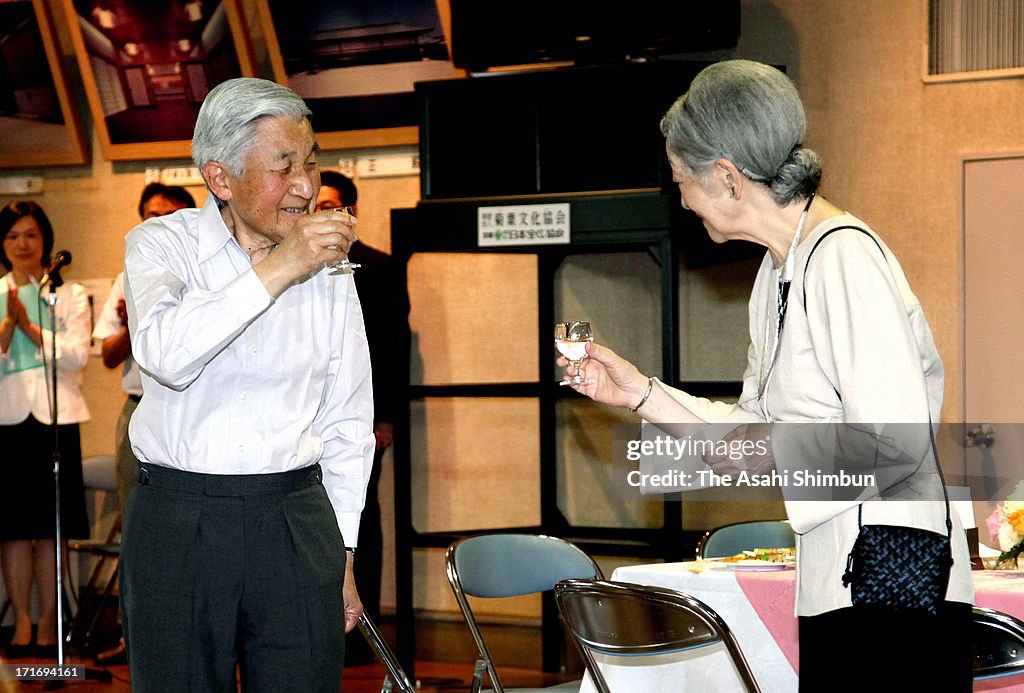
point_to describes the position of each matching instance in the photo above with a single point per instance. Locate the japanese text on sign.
(542, 224)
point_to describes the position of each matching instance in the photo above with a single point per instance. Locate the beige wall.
(890, 143)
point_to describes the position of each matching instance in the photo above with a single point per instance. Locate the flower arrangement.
(1006, 526)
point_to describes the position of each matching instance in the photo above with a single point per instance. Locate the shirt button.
(243, 396)
(254, 350)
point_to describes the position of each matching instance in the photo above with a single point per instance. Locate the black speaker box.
(573, 129)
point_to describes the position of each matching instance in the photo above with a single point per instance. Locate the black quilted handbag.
(899, 568)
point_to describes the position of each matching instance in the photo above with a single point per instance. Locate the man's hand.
(122, 312)
(316, 241)
(353, 604)
(384, 433)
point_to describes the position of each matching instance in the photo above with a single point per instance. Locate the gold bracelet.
(647, 393)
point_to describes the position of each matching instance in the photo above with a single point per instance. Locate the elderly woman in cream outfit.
(860, 351)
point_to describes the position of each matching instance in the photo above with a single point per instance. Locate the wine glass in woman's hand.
(571, 341)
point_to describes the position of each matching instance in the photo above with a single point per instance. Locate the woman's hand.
(749, 448)
(616, 381)
(10, 320)
(18, 316)
(15, 308)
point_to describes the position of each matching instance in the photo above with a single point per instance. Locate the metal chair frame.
(80, 632)
(732, 538)
(395, 678)
(621, 619)
(509, 565)
(998, 644)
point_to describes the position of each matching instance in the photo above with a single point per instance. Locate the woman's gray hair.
(229, 115)
(749, 113)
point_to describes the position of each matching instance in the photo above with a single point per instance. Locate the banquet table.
(758, 607)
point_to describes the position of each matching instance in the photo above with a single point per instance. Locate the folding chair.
(728, 540)
(97, 596)
(94, 625)
(998, 644)
(620, 619)
(509, 565)
(395, 678)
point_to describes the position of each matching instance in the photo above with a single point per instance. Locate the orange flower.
(1016, 520)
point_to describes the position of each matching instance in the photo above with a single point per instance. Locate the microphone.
(62, 259)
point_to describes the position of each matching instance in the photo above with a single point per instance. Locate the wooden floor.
(444, 654)
(438, 643)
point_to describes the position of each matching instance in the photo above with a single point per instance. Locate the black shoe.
(19, 651)
(112, 657)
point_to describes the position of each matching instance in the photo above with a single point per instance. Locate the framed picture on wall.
(148, 64)
(39, 123)
(356, 63)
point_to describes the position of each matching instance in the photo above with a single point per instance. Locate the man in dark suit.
(385, 303)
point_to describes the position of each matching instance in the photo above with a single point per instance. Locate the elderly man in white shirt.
(255, 430)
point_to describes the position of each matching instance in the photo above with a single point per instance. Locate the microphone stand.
(55, 280)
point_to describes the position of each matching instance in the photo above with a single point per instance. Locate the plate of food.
(760, 560)
(755, 566)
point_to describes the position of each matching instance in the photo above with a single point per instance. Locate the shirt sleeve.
(178, 325)
(346, 422)
(108, 324)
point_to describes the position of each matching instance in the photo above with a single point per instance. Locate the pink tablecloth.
(771, 595)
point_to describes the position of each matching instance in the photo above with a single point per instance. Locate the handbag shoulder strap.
(826, 235)
(942, 480)
(931, 431)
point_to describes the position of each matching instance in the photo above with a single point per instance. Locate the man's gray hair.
(230, 112)
(750, 114)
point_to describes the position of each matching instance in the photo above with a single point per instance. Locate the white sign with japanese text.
(543, 224)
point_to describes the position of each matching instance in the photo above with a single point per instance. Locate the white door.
(993, 227)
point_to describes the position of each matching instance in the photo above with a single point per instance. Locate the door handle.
(981, 436)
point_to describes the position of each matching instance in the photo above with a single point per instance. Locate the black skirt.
(860, 649)
(27, 489)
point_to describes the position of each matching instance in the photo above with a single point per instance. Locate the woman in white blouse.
(856, 349)
(27, 492)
